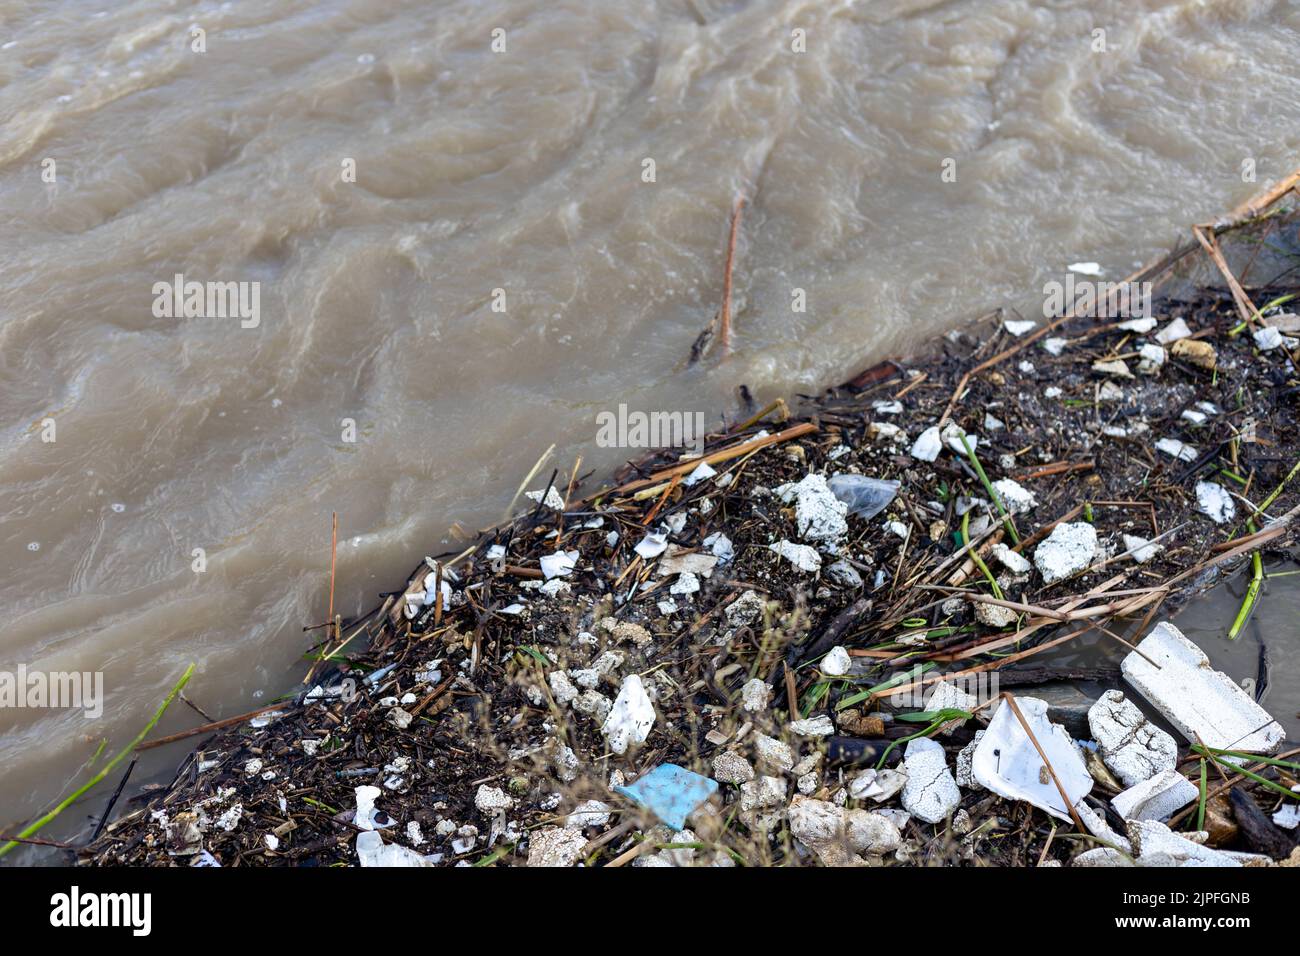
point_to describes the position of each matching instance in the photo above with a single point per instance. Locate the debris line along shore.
(835, 637)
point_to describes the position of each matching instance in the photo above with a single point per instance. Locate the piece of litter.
(820, 726)
(1007, 762)
(680, 561)
(731, 767)
(1141, 550)
(553, 499)
(878, 785)
(1117, 368)
(1177, 449)
(559, 564)
(1156, 845)
(1205, 705)
(837, 835)
(1015, 498)
(687, 583)
(373, 851)
(754, 695)
(930, 793)
(1140, 326)
(366, 817)
(589, 813)
(702, 472)
(1198, 353)
(1151, 358)
(1068, 550)
(818, 513)
(652, 545)
(836, 663)
(1018, 327)
(1288, 817)
(1213, 499)
(1175, 330)
(720, 546)
(927, 445)
(630, 719)
(1013, 561)
(555, 846)
(800, 555)
(952, 436)
(1156, 798)
(1086, 269)
(670, 792)
(862, 496)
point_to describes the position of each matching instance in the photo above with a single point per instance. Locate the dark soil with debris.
(446, 700)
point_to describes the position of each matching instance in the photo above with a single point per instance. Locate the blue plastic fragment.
(670, 792)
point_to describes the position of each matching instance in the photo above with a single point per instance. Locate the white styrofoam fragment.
(1157, 798)
(930, 793)
(1198, 700)
(1132, 747)
(1007, 762)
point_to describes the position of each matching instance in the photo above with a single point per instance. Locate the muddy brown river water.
(452, 254)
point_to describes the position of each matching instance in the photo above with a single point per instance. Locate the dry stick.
(1017, 636)
(609, 836)
(214, 725)
(1015, 709)
(35, 841)
(771, 407)
(725, 454)
(1246, 307)
(725, 333)
(632, 854)
(980, 668)
(1241, 546)
(792, 695)
(1258, 204)
(333, 622)
(334, 548)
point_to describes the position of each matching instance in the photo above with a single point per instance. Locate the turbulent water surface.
(128, 156)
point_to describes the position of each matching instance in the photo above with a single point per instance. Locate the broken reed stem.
(725, 334)
(974, 556)
(988, 486)
(105, 770)
(334, 550)
(1200, 804)
(1246, 307)
(332, 622)
(1258, 204)
(725, 454)
(532, 472)
(214, 725)
(768, 410)
(1252, 592)
(1074, 814)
